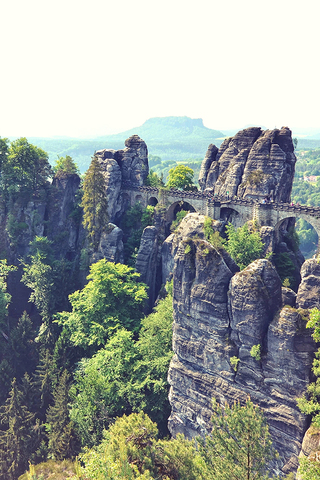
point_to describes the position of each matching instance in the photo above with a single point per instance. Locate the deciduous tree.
(243, 245)
(112, 298)
(181, 177)
(65, 165)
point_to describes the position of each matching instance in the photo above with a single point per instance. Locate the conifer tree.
(239, 446)
(62, 440)
(94, 202)
(16, 438)
(43, 380)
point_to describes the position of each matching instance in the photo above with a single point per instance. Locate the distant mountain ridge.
(171, 138)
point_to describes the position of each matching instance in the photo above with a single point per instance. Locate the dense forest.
(83, 369)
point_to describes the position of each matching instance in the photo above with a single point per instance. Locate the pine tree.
(44, 378)
(239, 446)
(94, 202)
(62, 440)
(16, 437)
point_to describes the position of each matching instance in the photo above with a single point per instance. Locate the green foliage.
(181, 177)
(94, 203)
(103, 387)
(59, 428)
(292, 239)
(154, 180)
(52, 470)
(255, 177)
(179, 217)
(14, 229)
(286, 282)
(15, 436)
(38, 276)
(285, 267)
(133, 222)
(155, 352)
(5, 297)
(22, 346)
(309, 469)
(234, 362)
(243, 246)
(125, 376)
(212, 236)
(255, 352)
(112, 298)
(310, 403)
(130, 450)
(25, 166)
(50, 282)
(65, 166)
(239, 445)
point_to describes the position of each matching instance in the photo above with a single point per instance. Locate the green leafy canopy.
(113, 297)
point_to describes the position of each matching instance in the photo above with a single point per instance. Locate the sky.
(86, 68)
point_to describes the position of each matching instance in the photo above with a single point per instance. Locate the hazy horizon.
(77, 69)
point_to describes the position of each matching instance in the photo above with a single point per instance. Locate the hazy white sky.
(94, 67)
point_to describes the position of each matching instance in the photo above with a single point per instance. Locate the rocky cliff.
(121, 167)
(251, 164)
(219, 315)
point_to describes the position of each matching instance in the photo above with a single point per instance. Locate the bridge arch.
(153, 201)
(230, 215)
(177, 207)
(309, 236)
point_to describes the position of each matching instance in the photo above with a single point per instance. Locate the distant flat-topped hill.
(171, 138)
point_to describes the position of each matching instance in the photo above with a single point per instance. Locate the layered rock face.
(220, 313)
(251, 164)
(119, 167)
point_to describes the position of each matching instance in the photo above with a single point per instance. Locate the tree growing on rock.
(25, 166)
(66, 166)
(243, 245)
(94, 203)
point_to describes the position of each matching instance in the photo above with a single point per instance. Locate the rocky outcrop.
(308, 295)
(120, 167)
(220, 314)
(64, 216)
(191, 226)
(311, 446)
(147, 262)
(252, 164)
(110, 245)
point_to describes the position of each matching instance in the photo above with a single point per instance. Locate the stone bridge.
(236, 210)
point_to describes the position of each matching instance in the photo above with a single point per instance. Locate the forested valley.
(83, 367)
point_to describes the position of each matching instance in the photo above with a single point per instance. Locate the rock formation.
(147, 262)
(220, 314)
(254, 163)
(120, 167)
